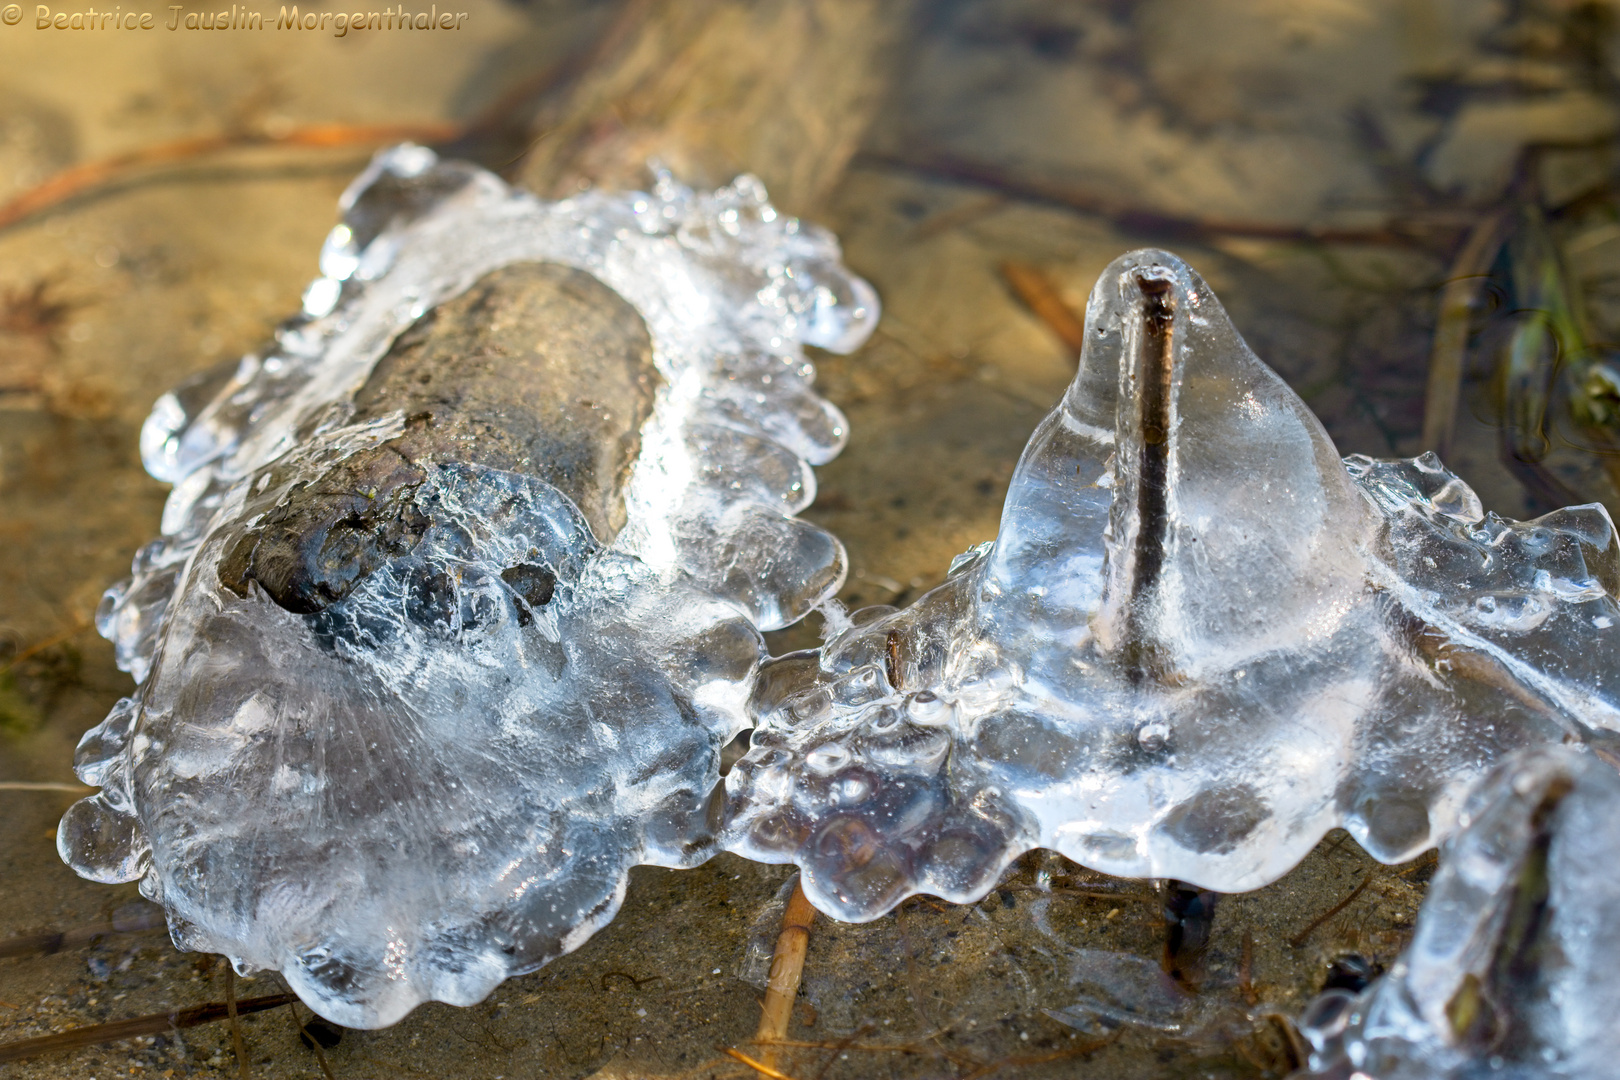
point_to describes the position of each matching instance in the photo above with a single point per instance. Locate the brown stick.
(82, 178)
(1396, 232)
(314, 1043)
(1457, 302)
(154, 1024)
(758, 1066)
(504, 112)
(1299, 939)
(40, 646)
(236, 1028)
(144, 918)
(1041, 297)
(1246, 970)
(782, 986)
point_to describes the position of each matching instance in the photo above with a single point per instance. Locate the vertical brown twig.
(1246, 970)
(787, 965)
(1457, 301)
(1153, 368)
(314, 1043)
(236, 1027)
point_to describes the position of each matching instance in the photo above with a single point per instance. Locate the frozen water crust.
(1200, 641)
(1511, 968)
(420, 753)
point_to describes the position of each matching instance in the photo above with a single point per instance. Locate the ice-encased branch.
(1200, 641)
(415, 693)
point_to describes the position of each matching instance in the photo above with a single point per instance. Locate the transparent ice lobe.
(1200, 641)
(436, 645)
(1511, 968)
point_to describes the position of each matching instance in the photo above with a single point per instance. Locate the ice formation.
(436, 644)
(1200, 641)
(1511, 970)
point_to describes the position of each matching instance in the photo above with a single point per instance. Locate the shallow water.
(1221, 109)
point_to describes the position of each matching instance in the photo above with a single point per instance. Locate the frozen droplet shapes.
(1200, 641)
(405, 721)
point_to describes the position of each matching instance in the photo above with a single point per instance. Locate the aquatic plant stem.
(1299, 939)
(1458, 298)
(771, 1072)
(153, 1024)
(236, 1027)
(92, 174)
(314, 1043)
(782, 986)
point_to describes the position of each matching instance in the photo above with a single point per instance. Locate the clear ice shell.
(428, 786)
(1199, 642)
(1510, 972)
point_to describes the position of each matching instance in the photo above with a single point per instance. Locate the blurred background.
(1408, 206)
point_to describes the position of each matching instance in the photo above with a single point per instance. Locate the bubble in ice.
(1200, 641)
(1510, 971)
(459, 588)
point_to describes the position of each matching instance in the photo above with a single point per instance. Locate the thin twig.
(1041, 297)
(79, 627)
(83, 178)
(154, 1024)
(758, 1066)
(145, 917)
(1140, 219)
(1458, 299)
(314, 1043)
(1299, 939)
(236, 1027)
(1422, 862)
(1246, 969)
(43, 785)
(787, 965)
(864, 1029)
(1132, 893)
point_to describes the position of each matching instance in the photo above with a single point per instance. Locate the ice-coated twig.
(460, 585)
(1200, 641)
(1511, 968)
